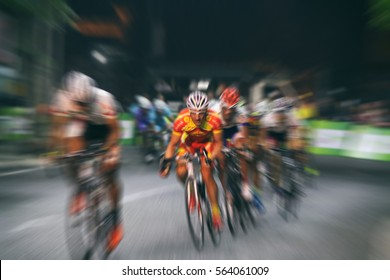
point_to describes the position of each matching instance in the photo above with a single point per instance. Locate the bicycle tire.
(105, 226)
(233, 186)
(196, 231)
(289, 194)
(79, 232)
(231, 217)
(249, 211)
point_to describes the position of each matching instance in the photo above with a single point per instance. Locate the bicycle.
(87, 231)
(290, 189)
(198, 207)
(238, 210)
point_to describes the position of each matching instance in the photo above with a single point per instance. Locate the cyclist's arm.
(57, 132)
(171, 148)
(113, 137)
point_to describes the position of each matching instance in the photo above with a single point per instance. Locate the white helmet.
(80, 87)
(197, 101)
(160, 105)
(143, 102)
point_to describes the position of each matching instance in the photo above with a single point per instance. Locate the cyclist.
(84, 114)
(255, 148)
(144, 117)
(196, 127)
(162, 120)
(279, 130)
(235, 126)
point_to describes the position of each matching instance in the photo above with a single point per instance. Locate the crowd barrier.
(349, 140)
(327, 137)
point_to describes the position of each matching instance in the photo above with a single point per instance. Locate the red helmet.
(230, 97)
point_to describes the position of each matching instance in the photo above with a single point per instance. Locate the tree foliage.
(379, 12)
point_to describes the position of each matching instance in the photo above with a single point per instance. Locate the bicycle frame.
(95, 221)
(288, 193)
(203, 209)
(233, 182)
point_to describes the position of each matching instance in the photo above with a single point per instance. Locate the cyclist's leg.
(212, 189)
(276, 161)
(239, 143)
(256, 174)
(78, 199)
(74, 144)
(115, 191)
(111, 173)
(181, 164)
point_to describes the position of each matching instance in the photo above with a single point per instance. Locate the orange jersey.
(190, 133)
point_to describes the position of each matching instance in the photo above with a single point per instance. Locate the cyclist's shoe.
(217, 218)
(246, 192)
(115, 237)
(77, 204)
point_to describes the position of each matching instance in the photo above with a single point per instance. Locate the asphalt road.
(346, 216)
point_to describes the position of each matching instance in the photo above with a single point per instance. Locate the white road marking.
(20, 171)
(34, 223)
(27, 170)
(148, 193)
(128, 198)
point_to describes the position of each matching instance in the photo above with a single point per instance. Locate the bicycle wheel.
(250, 213)
(281, 204)
(105, 222)
(295, 199)
(81, 231)
(194, 213)
(231, 216)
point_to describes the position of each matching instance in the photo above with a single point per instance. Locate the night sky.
(297, 34)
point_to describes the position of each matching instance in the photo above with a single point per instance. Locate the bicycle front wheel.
(194, 213)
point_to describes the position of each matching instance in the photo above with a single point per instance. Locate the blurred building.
(31, 57)
(31, 63)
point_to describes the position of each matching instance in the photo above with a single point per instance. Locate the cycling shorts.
(193, 147)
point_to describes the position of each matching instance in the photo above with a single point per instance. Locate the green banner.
(127, 124)
(350, 140)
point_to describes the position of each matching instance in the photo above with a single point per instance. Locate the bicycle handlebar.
(87, 153)
(198, 153)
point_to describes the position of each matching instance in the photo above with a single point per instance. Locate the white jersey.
(103, 108)
(271, 121)
(241, 116)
